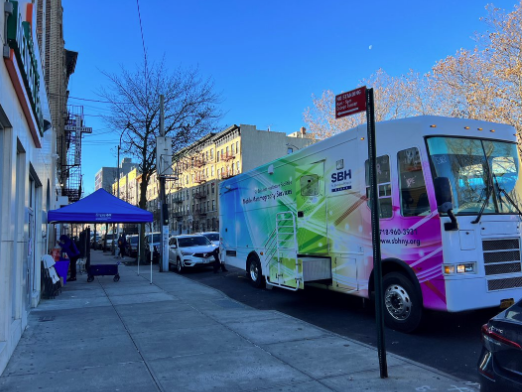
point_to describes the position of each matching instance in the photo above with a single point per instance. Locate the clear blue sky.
(266, 58)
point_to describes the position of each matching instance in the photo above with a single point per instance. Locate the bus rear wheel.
(254, 272)
(402, 303)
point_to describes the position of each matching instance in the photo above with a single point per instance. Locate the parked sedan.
(213, 236)
(101, 242)
(500, 363)
(187, 251)
(132, 244)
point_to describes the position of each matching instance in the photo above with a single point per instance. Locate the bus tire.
(402, 303)
(254, 272)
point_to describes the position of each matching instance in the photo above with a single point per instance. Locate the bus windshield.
(481, 172)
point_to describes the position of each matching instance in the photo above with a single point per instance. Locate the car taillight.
(495, 338)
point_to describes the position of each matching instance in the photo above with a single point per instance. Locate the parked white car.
(190, 251)
(213, 236)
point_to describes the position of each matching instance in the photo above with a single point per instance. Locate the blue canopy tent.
(99, 207)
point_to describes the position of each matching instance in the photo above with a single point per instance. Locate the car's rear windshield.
(193, 241)
(212, 236)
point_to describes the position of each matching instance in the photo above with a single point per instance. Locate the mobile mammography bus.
(449, 192)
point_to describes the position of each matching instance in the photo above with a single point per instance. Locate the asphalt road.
(448, 342)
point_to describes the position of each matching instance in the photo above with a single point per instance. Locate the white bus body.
(304, 218)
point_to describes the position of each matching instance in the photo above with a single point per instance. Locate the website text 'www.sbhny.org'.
(400, 241)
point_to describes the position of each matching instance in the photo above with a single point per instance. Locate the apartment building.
(107, 177)
(29, 174)
(128, 187)
(193, 197)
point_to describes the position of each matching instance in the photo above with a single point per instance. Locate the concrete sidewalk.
(179, 335)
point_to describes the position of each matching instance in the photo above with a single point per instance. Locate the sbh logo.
(341, 175)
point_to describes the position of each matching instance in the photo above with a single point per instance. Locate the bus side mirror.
(444, 196)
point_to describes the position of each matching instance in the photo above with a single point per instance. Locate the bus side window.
(383, 184)
(413, 194)
(310, 185)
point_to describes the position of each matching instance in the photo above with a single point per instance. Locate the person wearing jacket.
(122, 244)
(217, 263)
(69, 247)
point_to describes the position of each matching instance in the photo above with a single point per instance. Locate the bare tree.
(464, 86)
(503, 45)
(395, 97)
(484, 83)
(190, 105)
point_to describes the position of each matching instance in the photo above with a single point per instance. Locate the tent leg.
(152, 250)
(139, 248)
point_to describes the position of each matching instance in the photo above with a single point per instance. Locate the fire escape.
(72, 170)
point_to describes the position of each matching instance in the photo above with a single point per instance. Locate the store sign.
(20, 40)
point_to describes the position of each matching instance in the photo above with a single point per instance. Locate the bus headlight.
(464, 268)
(468, 268)
(448, 269)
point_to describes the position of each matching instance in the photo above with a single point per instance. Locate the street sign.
(78, 129)
(351, 102)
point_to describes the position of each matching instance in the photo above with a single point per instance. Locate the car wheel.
(402, 303)
(254, 272)
(179, 267)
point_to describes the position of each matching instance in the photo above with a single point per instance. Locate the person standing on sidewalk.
(69, 247)
(217, 263)
(122, 244)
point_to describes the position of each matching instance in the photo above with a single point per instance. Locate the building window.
(211, 153)
(213, 205)
(237, 147)
(217, 156)
(237, 167)
(212, 170)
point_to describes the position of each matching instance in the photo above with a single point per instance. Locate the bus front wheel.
(402, 303)
(254, 273)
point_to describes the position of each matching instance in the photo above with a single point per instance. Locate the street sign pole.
(164, 262)
(376, 243)
(346, 104)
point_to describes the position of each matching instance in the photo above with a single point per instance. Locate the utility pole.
(164, 214)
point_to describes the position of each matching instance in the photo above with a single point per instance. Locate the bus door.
(311, 209)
